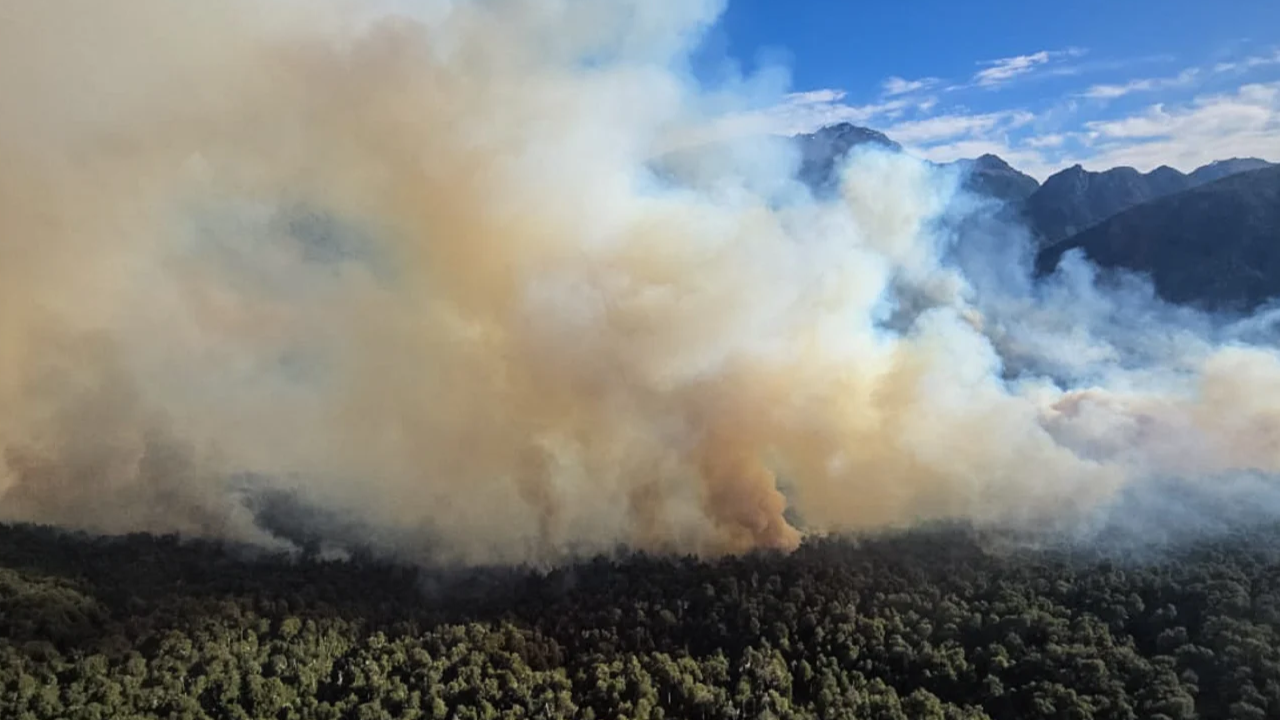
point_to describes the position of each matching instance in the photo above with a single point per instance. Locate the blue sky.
(1044, 85)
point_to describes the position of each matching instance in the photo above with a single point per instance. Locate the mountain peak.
(989, 161)
(990, 175)
(1073, 200)
(1219, 169)
(1238, 161)
(847, 135)
(822, 151)
(1073, 176)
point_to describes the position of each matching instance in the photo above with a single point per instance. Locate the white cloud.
(947, 127)
(1185, 78)
(1242, 123)
(825, 95)
(1110, 92)
(947, 138)
(1250, 107)
(805, 112)
(1045, 141)
(1004, 70)
(1249, 63)
(901, 86)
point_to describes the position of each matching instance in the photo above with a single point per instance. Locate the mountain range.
(1216, 245)
(1074, 200)
(1210, 237)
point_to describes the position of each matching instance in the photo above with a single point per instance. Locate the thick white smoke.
(442, 275)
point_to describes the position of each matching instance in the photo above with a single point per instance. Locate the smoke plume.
(456, 272)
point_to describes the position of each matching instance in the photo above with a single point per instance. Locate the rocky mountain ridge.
(1216, 245)
(1209, 238)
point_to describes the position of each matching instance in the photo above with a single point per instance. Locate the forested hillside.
(925, 625)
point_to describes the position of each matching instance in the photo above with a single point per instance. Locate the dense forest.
(924, 625)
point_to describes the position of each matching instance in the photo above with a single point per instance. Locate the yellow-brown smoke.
(514, 338)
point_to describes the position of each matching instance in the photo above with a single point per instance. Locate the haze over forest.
(451, 360)
(434, 278)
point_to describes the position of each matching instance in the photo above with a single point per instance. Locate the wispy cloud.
(1244, 122)
(804, 112)
(808, 111)
(1186, 78)
(815, 97)
(1112, 91)
(1251, 106)
(947, 127)
(1046, 141)
(1249, 63)
(901, 86)
(1005, 70)
(956, 135)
